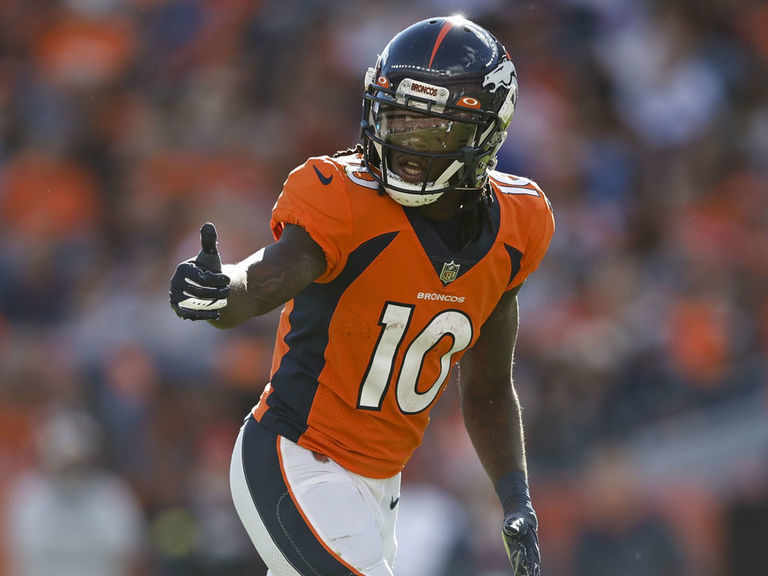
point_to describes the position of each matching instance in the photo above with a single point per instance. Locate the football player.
(393, 262)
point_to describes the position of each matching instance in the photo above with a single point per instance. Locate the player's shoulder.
(517, 187)
(520, 193)
(335, 171)
(322, 171)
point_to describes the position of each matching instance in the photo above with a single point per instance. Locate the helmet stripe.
(440, 37)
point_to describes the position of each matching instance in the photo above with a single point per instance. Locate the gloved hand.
(522, 544)
(520, 525)
(198, 288)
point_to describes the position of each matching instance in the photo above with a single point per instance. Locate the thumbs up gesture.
(198, 288)
(208, 257)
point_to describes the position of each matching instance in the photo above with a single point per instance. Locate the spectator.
(621, 535)
(68, 516)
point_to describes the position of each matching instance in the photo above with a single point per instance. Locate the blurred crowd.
(642, 358)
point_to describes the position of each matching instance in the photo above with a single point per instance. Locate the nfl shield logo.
(450, 271)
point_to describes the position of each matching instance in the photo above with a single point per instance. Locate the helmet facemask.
(420, 147)
(436, 109)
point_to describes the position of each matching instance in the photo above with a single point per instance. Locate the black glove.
(520, 525)
(198, 288)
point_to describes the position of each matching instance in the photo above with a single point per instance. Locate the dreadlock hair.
(358, 149)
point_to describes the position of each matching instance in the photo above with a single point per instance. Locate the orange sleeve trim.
(535, 251)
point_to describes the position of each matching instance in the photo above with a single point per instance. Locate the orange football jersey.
(363, 353)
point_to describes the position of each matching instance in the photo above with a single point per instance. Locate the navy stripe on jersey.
(278, 511)
(514, 259)
(294, 383)
(439, 253)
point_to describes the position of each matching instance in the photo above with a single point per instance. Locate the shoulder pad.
(510, 184)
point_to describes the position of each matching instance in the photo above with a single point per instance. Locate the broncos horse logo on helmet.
(500, 77)
(436, 109)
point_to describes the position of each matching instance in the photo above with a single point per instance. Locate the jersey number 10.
(395, 320)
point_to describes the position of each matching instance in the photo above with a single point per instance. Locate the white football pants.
(308, 516)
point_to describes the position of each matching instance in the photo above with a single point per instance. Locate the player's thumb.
(515, 527)
(208, 257)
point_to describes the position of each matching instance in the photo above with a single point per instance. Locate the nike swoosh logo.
(325, 180)
(394, 502)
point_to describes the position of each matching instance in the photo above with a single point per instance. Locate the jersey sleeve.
(539, 237)
(315, 197)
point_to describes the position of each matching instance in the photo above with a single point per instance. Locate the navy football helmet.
(436, 109)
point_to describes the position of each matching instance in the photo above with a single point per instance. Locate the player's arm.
(493, 419)
(271, 276)
(490, 406)
(203, 289)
